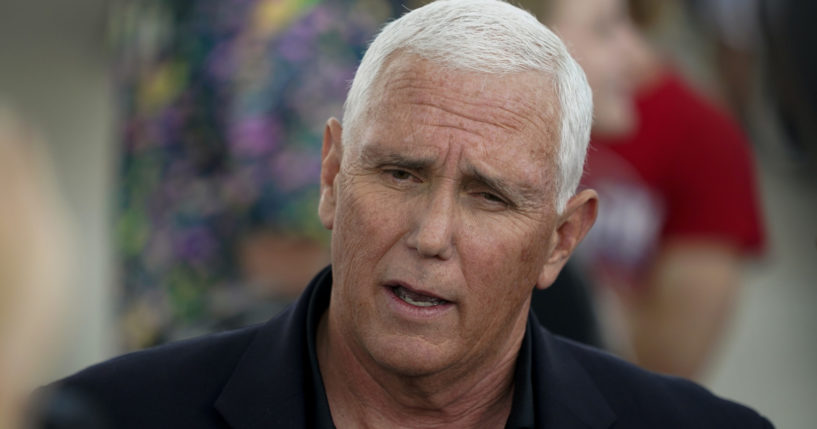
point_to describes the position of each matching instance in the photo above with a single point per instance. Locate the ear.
(330, 166)
(574, 223)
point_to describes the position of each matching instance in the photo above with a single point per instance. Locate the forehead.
(518, 102)
(417, 104)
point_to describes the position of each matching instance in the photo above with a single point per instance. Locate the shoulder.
(180, 379)
(173, 362)
(641, 398)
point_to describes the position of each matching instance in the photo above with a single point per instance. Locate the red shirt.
(685, 172)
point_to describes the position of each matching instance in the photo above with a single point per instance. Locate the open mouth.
(417, 299)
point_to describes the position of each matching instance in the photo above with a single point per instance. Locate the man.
(450, 195)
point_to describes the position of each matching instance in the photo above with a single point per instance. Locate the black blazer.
(259, 377)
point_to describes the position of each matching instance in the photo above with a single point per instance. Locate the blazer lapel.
(566, 395)
(270, 386)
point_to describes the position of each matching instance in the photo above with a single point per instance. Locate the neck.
(364, 394)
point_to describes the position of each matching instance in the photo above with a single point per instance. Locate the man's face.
(443, 216)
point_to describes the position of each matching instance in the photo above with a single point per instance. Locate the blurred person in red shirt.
(678, 206)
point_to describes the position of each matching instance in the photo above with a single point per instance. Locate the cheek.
(366, 226)
(501, 280)
(505, 258)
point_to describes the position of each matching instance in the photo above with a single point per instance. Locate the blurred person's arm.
(713, 223)
(679, 320)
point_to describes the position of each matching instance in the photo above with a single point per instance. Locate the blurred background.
(185, 138)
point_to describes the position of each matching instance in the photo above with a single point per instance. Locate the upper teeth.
(416, 299)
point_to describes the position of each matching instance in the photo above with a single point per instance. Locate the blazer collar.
(567, 396)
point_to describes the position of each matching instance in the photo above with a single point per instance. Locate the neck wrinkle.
(361, 394)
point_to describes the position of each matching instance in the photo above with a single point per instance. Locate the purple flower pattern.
(222, 109)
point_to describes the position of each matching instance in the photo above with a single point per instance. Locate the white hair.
(494, 37)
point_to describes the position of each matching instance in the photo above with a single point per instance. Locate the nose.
(432, 233)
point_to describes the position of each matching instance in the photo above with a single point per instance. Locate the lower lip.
(413, 311)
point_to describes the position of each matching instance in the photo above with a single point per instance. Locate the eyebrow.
(373, 154)
(518, 193)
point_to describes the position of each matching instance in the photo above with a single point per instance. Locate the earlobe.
(574, 224)
(330, 167)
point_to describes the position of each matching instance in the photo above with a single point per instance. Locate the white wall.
(769, 361)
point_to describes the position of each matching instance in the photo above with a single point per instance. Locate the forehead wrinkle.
(424, 81)
(510, 111)
(483, 110)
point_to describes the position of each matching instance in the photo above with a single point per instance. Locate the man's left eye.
(400, 174)
(487, 196)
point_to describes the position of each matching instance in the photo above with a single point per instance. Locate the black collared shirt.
(522, 409)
